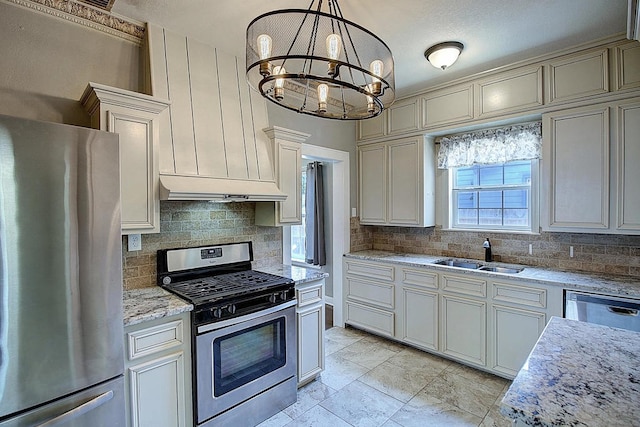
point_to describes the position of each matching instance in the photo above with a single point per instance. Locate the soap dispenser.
(487, 250)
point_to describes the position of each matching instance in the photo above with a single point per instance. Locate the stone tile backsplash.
(595, 253)
(184, 224)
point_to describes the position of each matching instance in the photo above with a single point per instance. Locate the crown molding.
(87, 16)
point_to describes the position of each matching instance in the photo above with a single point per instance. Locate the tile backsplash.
(595, 253)
(184, 224)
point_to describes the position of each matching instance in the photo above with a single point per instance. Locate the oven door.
(243, 357)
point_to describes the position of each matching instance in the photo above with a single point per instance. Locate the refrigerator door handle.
(79, 410)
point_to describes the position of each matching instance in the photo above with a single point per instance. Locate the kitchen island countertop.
(578, 374)
(142, 305)
(298, 274)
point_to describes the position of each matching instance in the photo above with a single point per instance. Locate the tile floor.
(369, 381)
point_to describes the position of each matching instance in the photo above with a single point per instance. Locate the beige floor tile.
(278, 420)
(308, 397)
(361, 405)
(489, 381)
(339, 371)
(367, 353)
(410, 358)
(495, 419)
(396, 381)
(428, 411)
(318, 417)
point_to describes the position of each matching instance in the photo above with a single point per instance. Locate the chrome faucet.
(487, 250)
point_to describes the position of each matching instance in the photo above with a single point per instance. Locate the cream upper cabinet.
(375, 127)
(627, 71)
(447, 106)
(589, 169)
(576, 169)
(135, 118)
(288, 164)
(403, 116)
(509, 92)
(397, 183)
(578, 76)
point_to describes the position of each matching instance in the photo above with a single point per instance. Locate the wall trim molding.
(87, 16)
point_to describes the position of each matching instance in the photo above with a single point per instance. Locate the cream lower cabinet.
(418, 300)
(397, 183)
(310, 318)
(158, 373)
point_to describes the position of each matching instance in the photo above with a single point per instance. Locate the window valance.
(490, 146)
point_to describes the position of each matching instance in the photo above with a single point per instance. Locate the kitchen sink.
(459, 263)
(505, 270)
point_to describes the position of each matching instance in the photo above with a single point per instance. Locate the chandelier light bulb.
(377, 68)
(323, 95)
(279, 83)
(334, 46)
(265, 45)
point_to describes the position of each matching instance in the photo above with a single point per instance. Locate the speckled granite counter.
(141, 305)
(578, 374)
(599, 283)
(298, 274)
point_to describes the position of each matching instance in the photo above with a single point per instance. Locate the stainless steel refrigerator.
(61, 333)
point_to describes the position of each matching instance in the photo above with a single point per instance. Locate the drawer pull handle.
(622, 311)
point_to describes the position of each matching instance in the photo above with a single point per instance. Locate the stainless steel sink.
(459, 263)
(505, 270)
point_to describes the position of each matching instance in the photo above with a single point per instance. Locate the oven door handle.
(223, 324)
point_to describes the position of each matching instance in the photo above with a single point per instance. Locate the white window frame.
(534, 206)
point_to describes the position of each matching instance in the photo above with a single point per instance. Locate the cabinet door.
(578, 76)
(373, 183)
(289, 165)
(405, 183)
(404, 116)
(372, 128)
(464, 326)
(310, 342)
(510, 92)
(157, 392)
(420, 317)
(514, 333)
(447, 106)
(576, 169)
(628, 66)
(628, 176)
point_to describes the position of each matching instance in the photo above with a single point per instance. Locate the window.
(298, 240)
(494, 197)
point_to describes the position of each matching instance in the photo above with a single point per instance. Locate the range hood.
(174, 187)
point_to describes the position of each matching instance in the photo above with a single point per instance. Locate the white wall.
(47, 63)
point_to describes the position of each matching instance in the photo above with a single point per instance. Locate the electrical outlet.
(570, 251)
(354, 212)
(530, 249)
(134, 242)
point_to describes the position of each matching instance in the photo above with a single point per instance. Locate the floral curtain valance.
(490, 146)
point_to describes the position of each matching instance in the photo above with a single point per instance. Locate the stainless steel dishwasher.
(603, 309)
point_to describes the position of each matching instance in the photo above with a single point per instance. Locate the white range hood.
(173, 187)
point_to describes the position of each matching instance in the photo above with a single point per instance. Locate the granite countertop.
(298, 274)
(599, 283)
(142, 305)
(578, 374)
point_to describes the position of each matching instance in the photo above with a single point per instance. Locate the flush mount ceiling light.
(316, 62)
(443, 55)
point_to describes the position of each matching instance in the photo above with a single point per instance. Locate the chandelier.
(318, 63)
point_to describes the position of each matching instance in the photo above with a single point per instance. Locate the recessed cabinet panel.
(447, 106)
(510, 92)
(289, 161)
(579, 76)
(464, 325)
(576, 153)
(628, 66)
(515, 333)
(310, 342)
(524, 295)
(373, 184)
(420, 278)
(370, 292)
(372, 128)
(628, 157)
(420, 309)
(405, 187)
(376, 320)
(374, 271)
(464, 285)
(403, 116)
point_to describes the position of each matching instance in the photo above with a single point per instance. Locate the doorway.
(336, 166)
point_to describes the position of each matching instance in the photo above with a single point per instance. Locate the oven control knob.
(283, 295)
(217, 312)
(273, 298)
(231, 309)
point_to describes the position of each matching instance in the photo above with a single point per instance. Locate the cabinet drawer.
(524, 295)
(375, 271)
(155, 339)
(309, 295)
(419, 278)
(374, 319)
(369, 292)
(464, 285)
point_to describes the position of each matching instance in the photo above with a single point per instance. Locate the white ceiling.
(494, 32)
